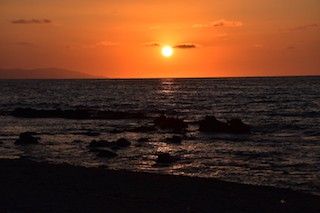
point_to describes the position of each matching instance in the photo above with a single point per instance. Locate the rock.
(122, 142)
(101, 143)
(170, 123)
(76, 114)
(166, 158)
(26, 138)
(143, 129)
(106, 154)
(236, 126)
(143, 140)
(211, 124)
(89, 133)
(174, 139)
(116, 131)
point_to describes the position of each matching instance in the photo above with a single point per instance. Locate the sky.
(124, 38)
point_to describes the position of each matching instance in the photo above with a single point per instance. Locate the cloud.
(155, 27)
(186, 46)
(23, 43)
(304, 27)
(224, 23)
(258, 45)
(151, 44)
(219, 23)
(106, 44)
(31, 21)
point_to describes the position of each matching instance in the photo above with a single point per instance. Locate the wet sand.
(28, 186)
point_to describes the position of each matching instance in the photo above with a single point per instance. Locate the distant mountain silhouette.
(45, 73)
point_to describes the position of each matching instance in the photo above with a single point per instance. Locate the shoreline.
(28, 186)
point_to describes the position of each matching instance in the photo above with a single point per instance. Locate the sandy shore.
(28, 186)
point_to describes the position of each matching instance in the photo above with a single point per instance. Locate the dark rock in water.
(170, 123)
(143, 140)
(116, 131)
(92, 133)
(106, 154)
(122, 142)
(76, 114)
(101, 143)
(236, 126)
(211, 124)
(166, 158)
(26, 138)
(174, 139)
(143, 129)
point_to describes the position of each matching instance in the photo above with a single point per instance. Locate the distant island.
(44, 73)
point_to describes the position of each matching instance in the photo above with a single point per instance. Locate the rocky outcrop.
(26, 138)
(100, 143)
(122, 142)
(175, 140)
(233, 126)
(106, 153)
(165, 159)
(76, 114)
(176, 124)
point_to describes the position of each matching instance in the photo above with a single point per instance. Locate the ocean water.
(283, 149)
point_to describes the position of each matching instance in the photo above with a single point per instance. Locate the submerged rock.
(143, 140)
(165, 158)
(234, 126)
(100, 143)
(143, 129)
(89, 133)
(106, 153)
(174, 139)
(76, 114)
(116, 131)
(211, 124)
(122, 142)
(170, 123)
(26, 138)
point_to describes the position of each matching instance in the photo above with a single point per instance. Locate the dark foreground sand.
(27, 186)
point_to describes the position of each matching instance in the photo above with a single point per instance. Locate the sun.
(167, 51)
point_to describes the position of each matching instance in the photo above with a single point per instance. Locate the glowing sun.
(167, 51)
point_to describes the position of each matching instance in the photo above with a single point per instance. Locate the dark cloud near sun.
(24, 44)
(31, 21)
(219, 23)
(186, 46)
(177, 46)
(152, 44)
(304, 27)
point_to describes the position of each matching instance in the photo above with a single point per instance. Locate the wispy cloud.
(106, 44)
(31, 21)
(178, 46)
(258, 45)
(303, 27)
(186, 46)
(151, 44)
(24, 44)
(155, 27)
(219, 23)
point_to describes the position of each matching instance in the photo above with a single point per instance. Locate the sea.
(282, 150)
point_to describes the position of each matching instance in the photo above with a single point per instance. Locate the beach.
(28, 186)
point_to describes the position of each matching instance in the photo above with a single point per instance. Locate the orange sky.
(118, 38)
